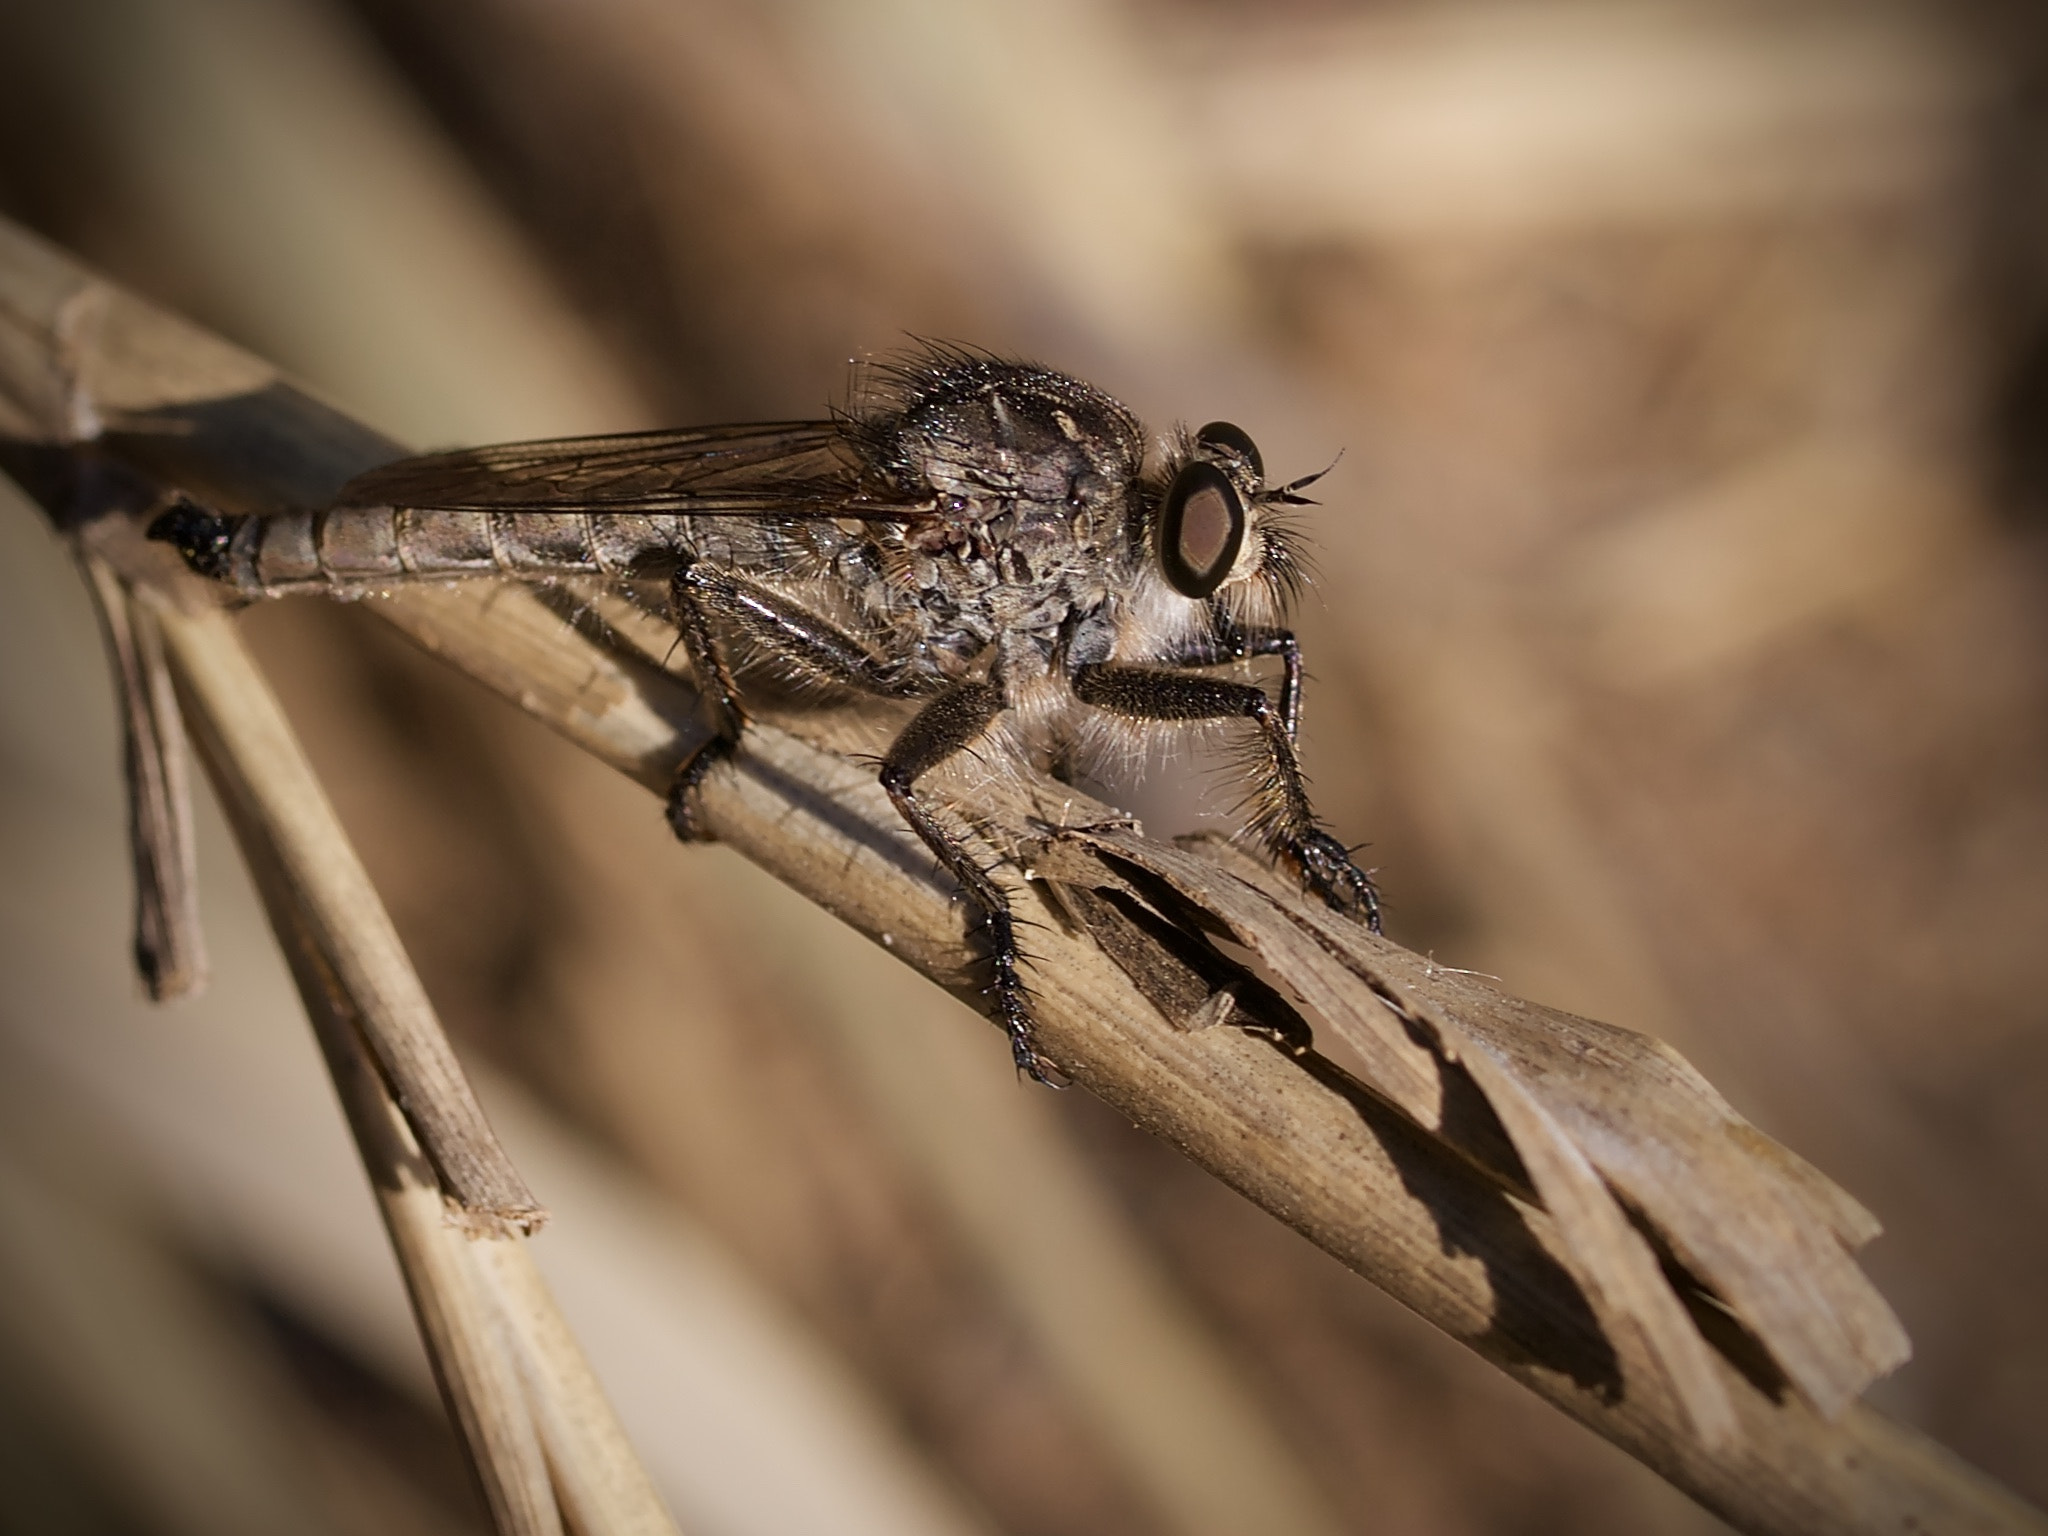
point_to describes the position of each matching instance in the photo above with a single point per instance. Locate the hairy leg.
(703, 597)
(943, 727)
(1231, 643)
(1281, 816)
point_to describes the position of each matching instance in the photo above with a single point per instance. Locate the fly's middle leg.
(948, 724)
(1282, 816)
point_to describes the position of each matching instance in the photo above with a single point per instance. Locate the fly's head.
(1214, 532)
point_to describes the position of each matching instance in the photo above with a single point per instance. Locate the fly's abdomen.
(361, 549)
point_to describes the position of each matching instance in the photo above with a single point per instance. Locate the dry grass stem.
(170, 949)
(1537, 1186)
(459, 1322)
(536, 1424)
(348, 923)
(1605, 1123)
(600, 1483)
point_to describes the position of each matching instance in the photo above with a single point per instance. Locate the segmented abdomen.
(353, 549)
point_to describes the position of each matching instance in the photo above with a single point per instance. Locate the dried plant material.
(1607, 1125)
(1424, 1215)
(542, 1439)
(598, 1480)
(1763, 1230)
(465, 1335)
(170, 949)
(273, 791)
(459, 1323)
(1409, 1219)
(537, 1426)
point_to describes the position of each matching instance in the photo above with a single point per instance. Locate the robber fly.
(981, 537)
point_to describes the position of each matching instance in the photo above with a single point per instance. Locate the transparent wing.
(784, 468)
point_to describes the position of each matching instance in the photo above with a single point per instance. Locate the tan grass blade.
(1605, 1121)
(541, 1436)
(602, 1487)
(170, 948)
(462, 1329)
(278, 798)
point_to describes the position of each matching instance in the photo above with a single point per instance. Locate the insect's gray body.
(350, 551)
(1031, 533)
(989, 539)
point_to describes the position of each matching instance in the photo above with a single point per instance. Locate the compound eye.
(1201, 529)
(1233, 438)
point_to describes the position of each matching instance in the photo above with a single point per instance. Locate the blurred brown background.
(1678, 642)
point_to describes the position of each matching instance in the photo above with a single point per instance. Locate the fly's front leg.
(1233, 644)
(943, 727)
(1281, 643)
(701, 593)
(1281, 816)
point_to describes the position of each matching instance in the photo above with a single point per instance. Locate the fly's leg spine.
(943, 727)
(1282, 817)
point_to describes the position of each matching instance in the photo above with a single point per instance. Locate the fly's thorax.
(1008, 451)
(1029, 476)
(1020, 592)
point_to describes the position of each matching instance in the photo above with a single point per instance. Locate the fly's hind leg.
(946, 725)
(702, 594)
(1282, 817)
(692, 613)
